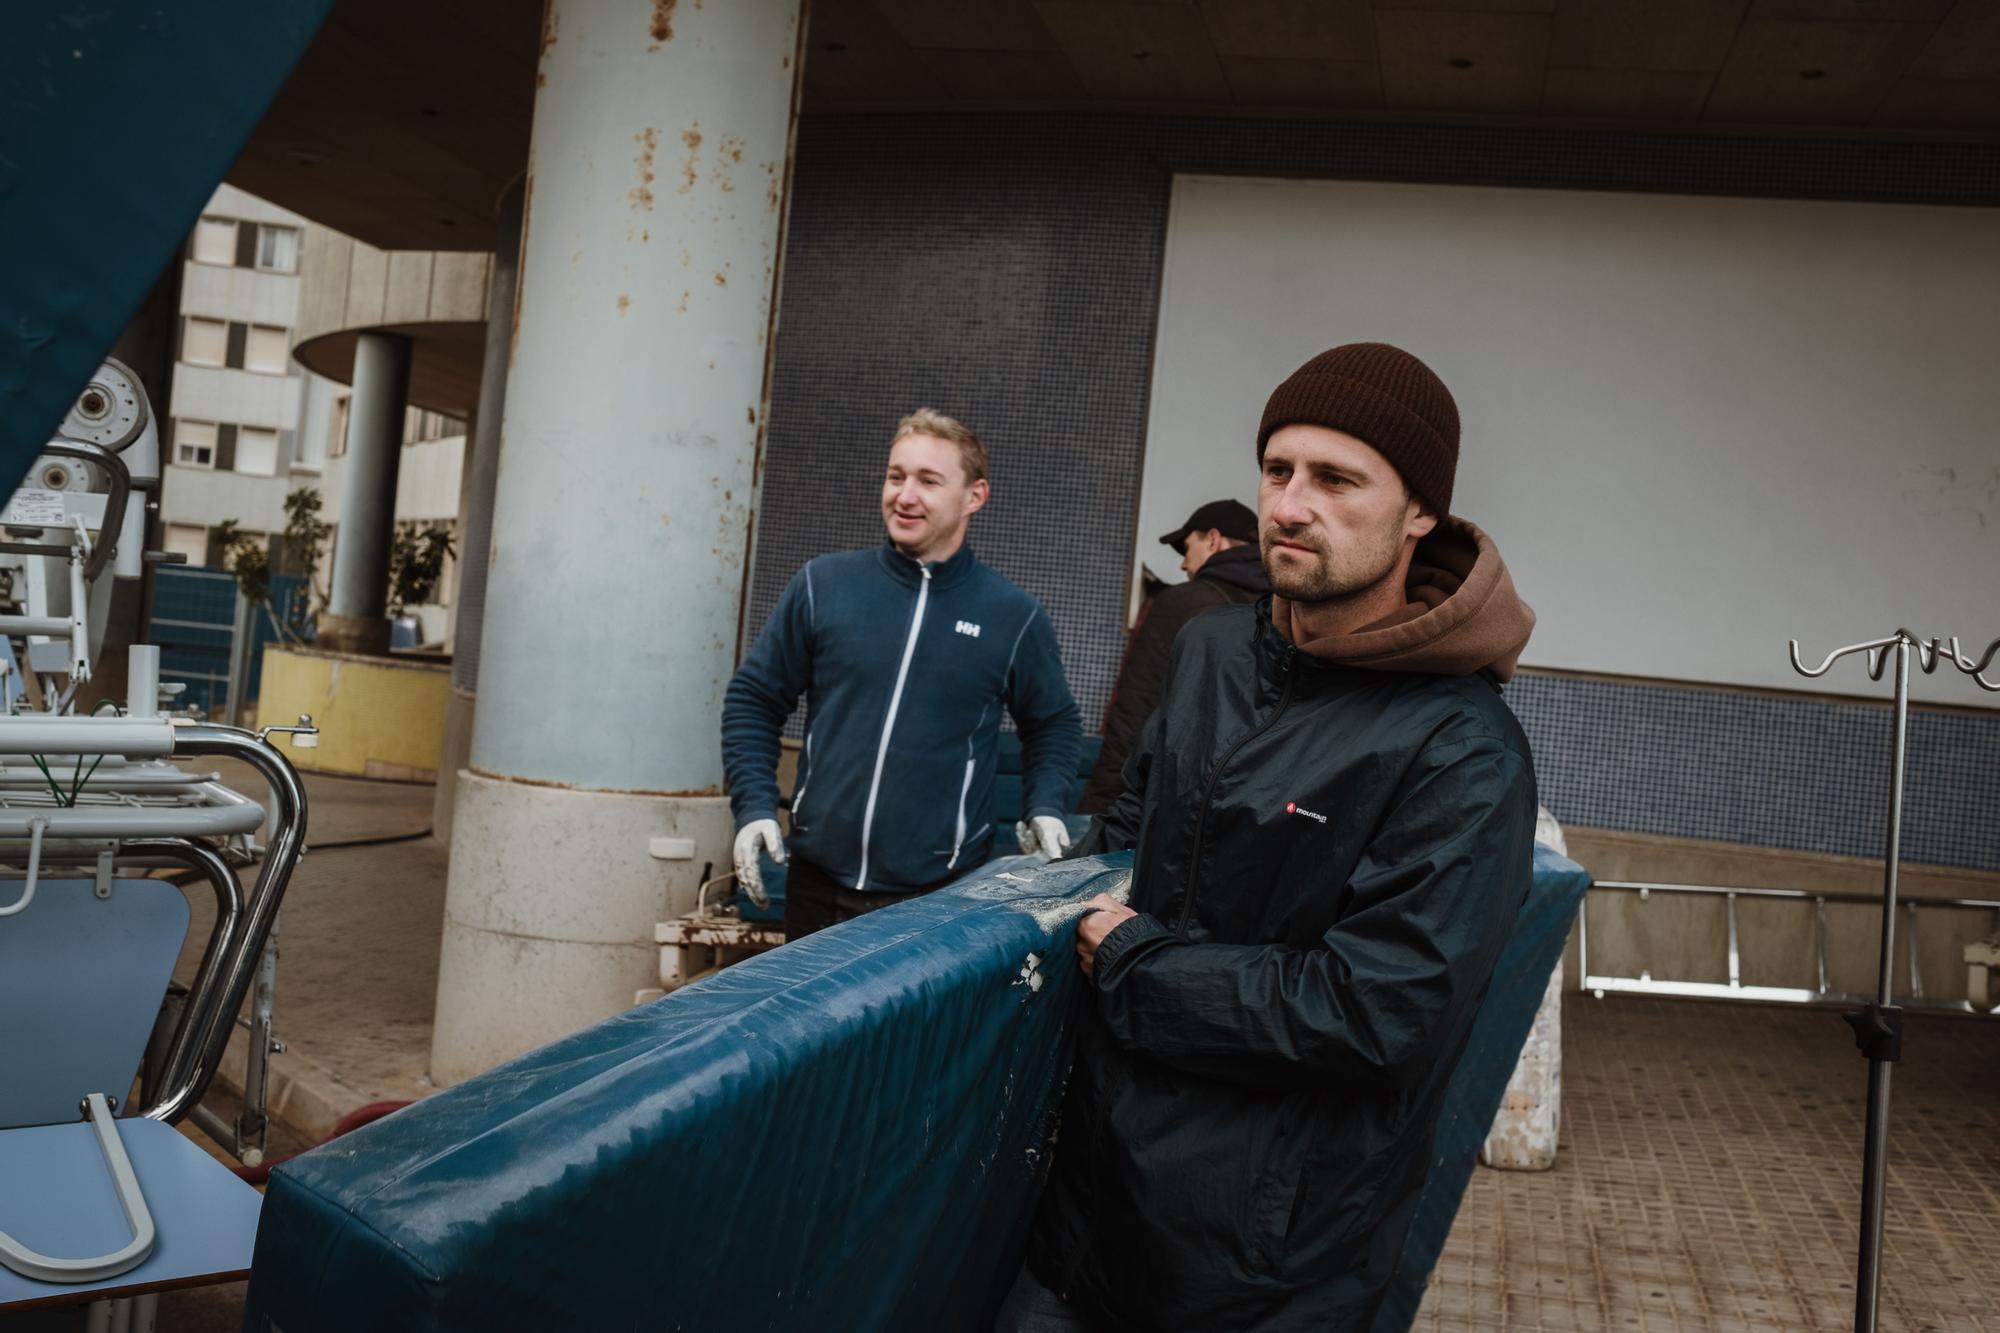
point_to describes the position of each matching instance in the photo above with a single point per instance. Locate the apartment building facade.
(248, 423)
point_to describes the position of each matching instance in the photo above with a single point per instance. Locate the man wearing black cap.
(1331, 816)
(1218, 550)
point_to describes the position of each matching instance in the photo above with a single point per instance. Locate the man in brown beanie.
(1332, 818)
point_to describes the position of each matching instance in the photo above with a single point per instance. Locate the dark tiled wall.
(1006, 269)
(1007, 279)
(1804, 773)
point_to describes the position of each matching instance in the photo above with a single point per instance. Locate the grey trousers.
(1031, 1307)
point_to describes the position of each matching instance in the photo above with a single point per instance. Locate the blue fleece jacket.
(905, 668)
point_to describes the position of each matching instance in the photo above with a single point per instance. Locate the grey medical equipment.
(1878, 1025)
(90, 1028)
(89, 807)
(80, 511)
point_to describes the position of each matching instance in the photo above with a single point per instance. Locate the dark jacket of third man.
(1227, 578)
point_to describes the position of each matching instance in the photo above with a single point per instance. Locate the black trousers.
(815, 900)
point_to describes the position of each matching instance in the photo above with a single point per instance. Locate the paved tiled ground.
(1709, 1178)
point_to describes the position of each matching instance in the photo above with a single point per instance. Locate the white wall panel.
(1697, 427)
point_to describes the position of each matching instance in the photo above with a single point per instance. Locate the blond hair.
(929, 421)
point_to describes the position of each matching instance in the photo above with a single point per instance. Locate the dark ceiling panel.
(966, 25)
(1342, 30)
(1471, 6)
(404, 121)
(1463, 62)
(1648, 95)
(1001, 78)
(1930, 103)
(1859, 11)
(1140, 53)
(1675, 35)
(1786, 71)
(1304, 84)
(1967, 44)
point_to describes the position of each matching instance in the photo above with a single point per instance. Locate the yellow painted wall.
(377, 717)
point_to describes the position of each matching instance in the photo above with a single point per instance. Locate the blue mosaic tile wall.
(1802, 773)
(1006, 270)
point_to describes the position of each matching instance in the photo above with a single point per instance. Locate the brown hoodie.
(1463, 614)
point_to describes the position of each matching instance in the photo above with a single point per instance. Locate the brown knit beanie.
(1384, 397)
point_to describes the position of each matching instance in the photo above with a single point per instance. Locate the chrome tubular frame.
(201, 1051)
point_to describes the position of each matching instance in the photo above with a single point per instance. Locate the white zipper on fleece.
(889, 722)
(805, 764)
(958, 839)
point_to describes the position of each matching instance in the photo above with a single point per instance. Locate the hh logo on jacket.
(967, 628)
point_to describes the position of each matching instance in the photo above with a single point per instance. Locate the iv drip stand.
(1878, 1028)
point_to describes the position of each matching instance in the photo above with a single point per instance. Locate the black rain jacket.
(1227, 578)
(1328, 861)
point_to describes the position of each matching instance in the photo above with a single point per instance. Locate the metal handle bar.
(181, 1068)
(46, 1268)
(221, 820)
(207, 1045)
(45, 734)
(36, 827)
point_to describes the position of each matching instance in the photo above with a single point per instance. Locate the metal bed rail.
(107, 824)
(1734, 989)
(211, 811)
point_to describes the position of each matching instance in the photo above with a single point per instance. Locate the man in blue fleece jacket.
(905, 653)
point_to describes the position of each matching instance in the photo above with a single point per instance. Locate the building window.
(194, 443)
(278, 249)
(420, 426)
(257, 451)
(187, 539)
(215, 241)
(205, 342)
(336, 428)
(264, 351)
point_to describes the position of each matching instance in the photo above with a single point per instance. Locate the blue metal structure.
(194, 623)
(117, 120)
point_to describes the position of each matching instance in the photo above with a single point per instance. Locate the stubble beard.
(1337, 575)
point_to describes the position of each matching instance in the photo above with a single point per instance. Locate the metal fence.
(197, 616)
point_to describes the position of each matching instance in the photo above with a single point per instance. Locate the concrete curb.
(304, 1096)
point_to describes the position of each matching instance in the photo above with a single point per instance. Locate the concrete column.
(355, 619)
(482, 471)
(634, 413)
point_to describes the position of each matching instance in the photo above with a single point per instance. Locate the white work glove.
(1044, 836)
(748, 877)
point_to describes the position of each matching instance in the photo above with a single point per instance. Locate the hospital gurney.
(847, 1133)
(122, 1205)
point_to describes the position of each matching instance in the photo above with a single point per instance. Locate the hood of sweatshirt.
(1239, 566)
(1462, 614)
